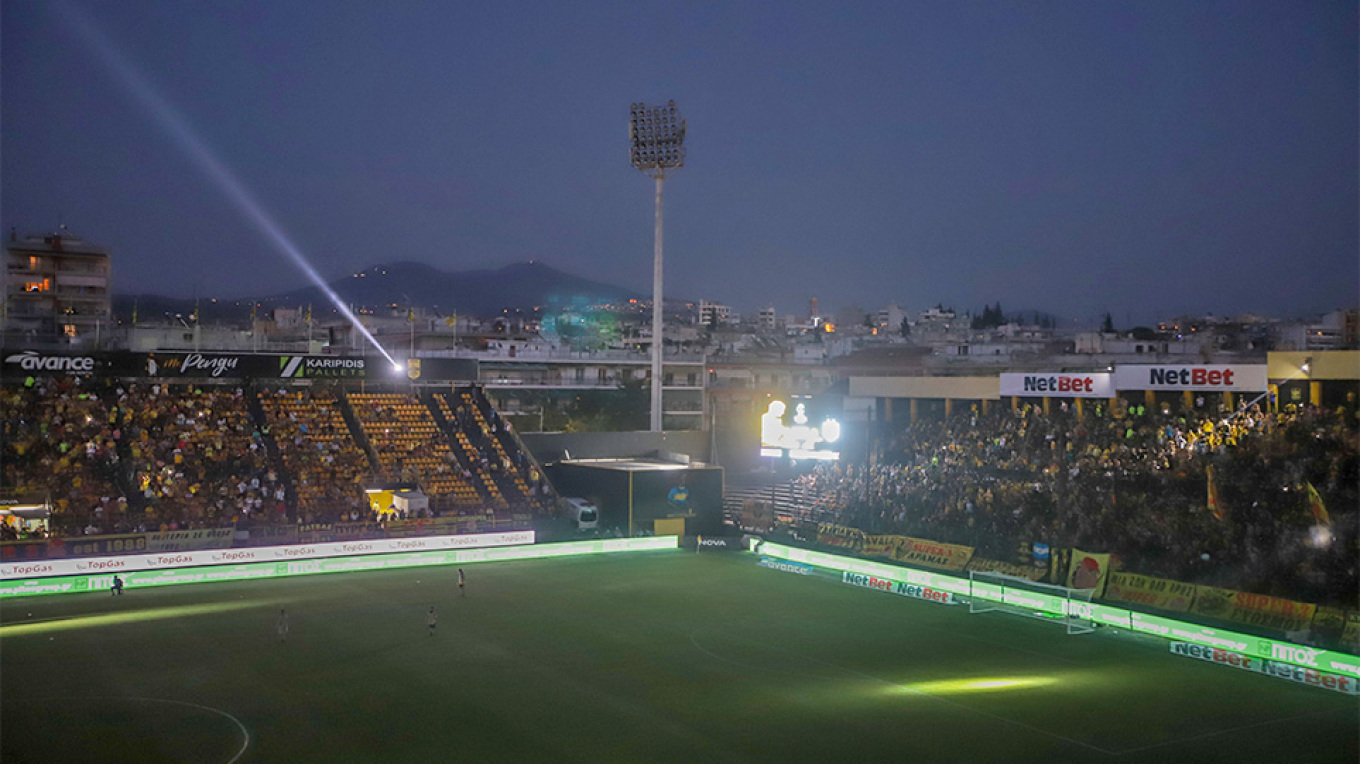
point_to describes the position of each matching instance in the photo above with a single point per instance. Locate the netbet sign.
(1209, 378)
(1058, 385)
(901, 588)
(1272, 668)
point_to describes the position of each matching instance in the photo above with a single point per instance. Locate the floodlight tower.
(656, 135)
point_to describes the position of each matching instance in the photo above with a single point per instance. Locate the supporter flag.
(1320, 515)
(1215, 505)
(1088, 570)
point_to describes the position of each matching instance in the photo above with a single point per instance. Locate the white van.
(585, 513)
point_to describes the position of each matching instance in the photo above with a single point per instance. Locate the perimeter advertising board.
(300, 567)
(1328, 661)
(1286, 671)
(1207, 378)
(169, 560)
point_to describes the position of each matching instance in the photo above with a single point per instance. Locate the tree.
(905, 328)
(1108, 326)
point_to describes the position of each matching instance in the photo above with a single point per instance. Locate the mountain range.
(484, 292)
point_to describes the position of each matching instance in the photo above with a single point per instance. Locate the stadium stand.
(1134, 484)
(325, 463)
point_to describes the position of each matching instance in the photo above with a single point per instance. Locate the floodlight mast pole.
(657, 314)
(657, 137)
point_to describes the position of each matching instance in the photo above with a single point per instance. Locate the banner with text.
(840, 536)
(1008, 568)
(181, 541)
(1161, 593)
(1065, 385)
(932, 554)
(1208, 378)
(1254, 609)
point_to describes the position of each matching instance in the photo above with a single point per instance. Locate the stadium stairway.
(356, 430)
(271, 447)
(791, 502)
(512, 481)
(441, 408)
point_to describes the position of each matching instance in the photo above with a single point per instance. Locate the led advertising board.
(301, 567)
(1279, 651)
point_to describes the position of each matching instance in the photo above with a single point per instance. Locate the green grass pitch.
(653, 657)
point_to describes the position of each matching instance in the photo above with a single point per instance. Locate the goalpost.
(989, 590)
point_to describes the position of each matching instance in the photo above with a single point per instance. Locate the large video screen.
(800, 427)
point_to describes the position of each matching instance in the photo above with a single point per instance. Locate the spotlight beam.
(169, 119)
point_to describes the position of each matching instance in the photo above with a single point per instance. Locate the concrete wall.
(548, 446)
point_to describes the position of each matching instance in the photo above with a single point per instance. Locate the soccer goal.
(989, 590)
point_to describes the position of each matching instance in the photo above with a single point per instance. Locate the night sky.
(1144, 158)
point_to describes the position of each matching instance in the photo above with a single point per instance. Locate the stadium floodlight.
(656, 137)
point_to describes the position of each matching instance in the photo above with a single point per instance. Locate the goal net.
(989, 591)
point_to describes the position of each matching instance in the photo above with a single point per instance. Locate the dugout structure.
(632, 494)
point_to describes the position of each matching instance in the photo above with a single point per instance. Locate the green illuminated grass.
(664, 656)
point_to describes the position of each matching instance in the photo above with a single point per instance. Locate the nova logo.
(32, 361)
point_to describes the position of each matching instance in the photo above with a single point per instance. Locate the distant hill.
(522, 286)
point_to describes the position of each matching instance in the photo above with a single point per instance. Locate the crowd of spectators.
(196, 457)
(320, 454)
(116, 457)
(58, 437)
(1133, 484)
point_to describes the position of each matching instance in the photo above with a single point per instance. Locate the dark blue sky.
(1144, 158)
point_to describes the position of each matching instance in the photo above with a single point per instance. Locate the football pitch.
(656, 656)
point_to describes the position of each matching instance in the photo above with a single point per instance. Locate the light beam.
(170, 120)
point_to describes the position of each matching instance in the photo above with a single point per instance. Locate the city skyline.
(1145, 161)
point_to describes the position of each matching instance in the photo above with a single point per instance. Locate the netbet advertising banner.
(1207, 378)
(1058, 385)
(1328, 661)
(1268, 667)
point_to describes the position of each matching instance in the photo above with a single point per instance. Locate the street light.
(656, 136)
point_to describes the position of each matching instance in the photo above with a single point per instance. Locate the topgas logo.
(171, 559)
